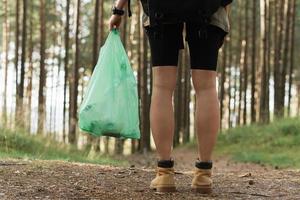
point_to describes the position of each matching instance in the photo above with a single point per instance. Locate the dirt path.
(64, 180)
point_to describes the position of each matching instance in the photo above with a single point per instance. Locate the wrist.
(118, 12)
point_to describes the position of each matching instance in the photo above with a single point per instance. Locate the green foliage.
(276, 144)
(16, 144)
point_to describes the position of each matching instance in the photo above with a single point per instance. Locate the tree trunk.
(5, 41)
(42, 79)
(264, 100)
(101, 23)
(222, 83)
(292, 57)
(268, 56)
(53, 75)
(100, 39)
(95, 35)
(230, 62)
(253, 60)
(241, 61)
(278, 107)
(245, 67)
(95, 142)
(235, 88)
(288, 14)
(145, 103)
(30, 70)
(66, 62)
(241, 81)
(74, 83)
(17, 58)
(23, 60)
(58, 75)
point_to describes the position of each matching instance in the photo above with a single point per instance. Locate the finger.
(111, 26)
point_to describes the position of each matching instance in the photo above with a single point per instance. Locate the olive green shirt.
(219, 19)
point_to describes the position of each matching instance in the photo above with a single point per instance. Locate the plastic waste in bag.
(110, 103)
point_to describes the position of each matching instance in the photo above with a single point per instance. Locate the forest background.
(49, 49)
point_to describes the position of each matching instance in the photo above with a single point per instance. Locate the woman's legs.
(207, 112)
(161, 110)
(162, 114)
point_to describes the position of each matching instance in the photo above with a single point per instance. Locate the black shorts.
(166, 41)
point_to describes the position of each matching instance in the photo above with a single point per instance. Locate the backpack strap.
(129, 9)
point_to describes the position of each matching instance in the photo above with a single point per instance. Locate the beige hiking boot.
(164, 180)
(202, 181)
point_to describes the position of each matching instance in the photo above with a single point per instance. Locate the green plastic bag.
(110, 103)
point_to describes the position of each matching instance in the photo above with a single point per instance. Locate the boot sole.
(165, 189)
(202, 190)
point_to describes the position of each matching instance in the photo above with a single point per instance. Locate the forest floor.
(39, 179)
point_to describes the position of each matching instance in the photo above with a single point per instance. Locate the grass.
(276, 144)
(17, 144)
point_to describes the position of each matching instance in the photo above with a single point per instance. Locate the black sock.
(203, 165)
(165, 163)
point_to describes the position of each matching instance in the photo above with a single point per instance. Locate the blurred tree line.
(49, 49)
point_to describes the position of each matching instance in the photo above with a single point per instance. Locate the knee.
(205, 84)
(167, 88)
(164, 80)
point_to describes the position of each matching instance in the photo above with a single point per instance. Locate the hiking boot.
(202, 181)
(164, 180)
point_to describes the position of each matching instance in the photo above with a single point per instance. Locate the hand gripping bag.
(110, 103)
